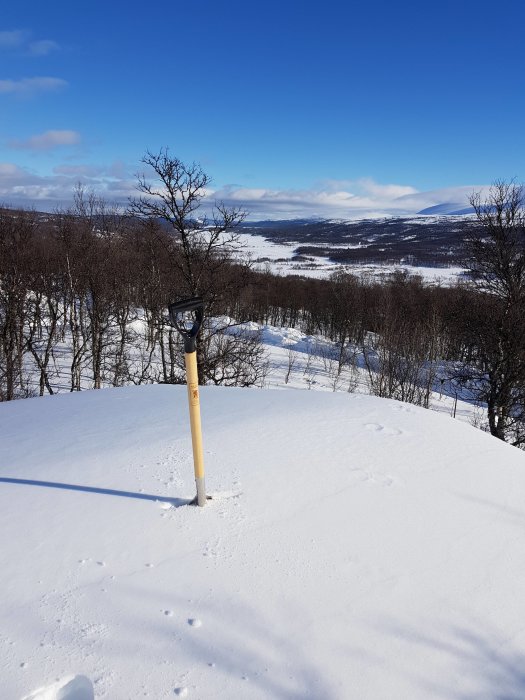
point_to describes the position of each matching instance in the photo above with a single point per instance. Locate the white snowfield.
(280, 257)
(355, 548)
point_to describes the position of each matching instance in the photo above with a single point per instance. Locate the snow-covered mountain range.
(448, 209)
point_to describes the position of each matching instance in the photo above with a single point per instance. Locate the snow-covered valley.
(425, 245)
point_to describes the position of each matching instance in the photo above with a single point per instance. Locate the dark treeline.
(410, 337)
(83, 299)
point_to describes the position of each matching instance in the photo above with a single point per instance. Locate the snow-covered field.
(355, 548)
(279, 257)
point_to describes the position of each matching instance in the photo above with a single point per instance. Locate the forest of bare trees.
(83, 302)
(84, 293)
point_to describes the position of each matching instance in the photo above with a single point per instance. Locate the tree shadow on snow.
(489, 666)
(245, 646)
(501, 511)
(174, 502)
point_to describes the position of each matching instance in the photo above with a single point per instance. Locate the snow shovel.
(179, 312)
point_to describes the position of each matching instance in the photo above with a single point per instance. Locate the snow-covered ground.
(279, 257)
(297, 360)
(355, 548)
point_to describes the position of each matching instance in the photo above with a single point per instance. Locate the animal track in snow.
(377, 427)
(402, 407)
(86, 561)
(380, 479)
(212, 549)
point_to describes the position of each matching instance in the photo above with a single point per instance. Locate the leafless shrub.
(291, 357)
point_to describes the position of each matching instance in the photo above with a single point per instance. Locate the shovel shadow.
(174, 502)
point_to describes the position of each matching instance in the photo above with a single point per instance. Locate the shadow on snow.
(174, 502)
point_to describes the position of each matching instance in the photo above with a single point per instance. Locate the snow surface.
(355, 548)
(69, 688)
(279, 257)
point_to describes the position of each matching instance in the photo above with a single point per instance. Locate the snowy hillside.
(355, 549)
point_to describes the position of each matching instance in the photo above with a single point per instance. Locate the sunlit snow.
(355, 548)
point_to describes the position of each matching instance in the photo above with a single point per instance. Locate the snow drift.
(355, 548)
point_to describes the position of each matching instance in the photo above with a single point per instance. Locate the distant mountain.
(447, 209)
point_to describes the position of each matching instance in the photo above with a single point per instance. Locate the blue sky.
(293, 108)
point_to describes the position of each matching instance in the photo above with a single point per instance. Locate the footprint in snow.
(380, 479)
(377, 427)
(402, 407)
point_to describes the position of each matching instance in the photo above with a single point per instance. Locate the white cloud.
(10, 170)
(357, 199)
(24, 188)
(21, 39)
(47, 141)
(31, 86)
(12, 39)
(42, 47)
(375, 189)
(336, 200)
(118, 170)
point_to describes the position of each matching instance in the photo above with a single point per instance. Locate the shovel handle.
(186, 305)
(197, 305)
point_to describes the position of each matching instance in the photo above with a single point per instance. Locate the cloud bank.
(364, 198)
(358, 199)
(22, 187)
